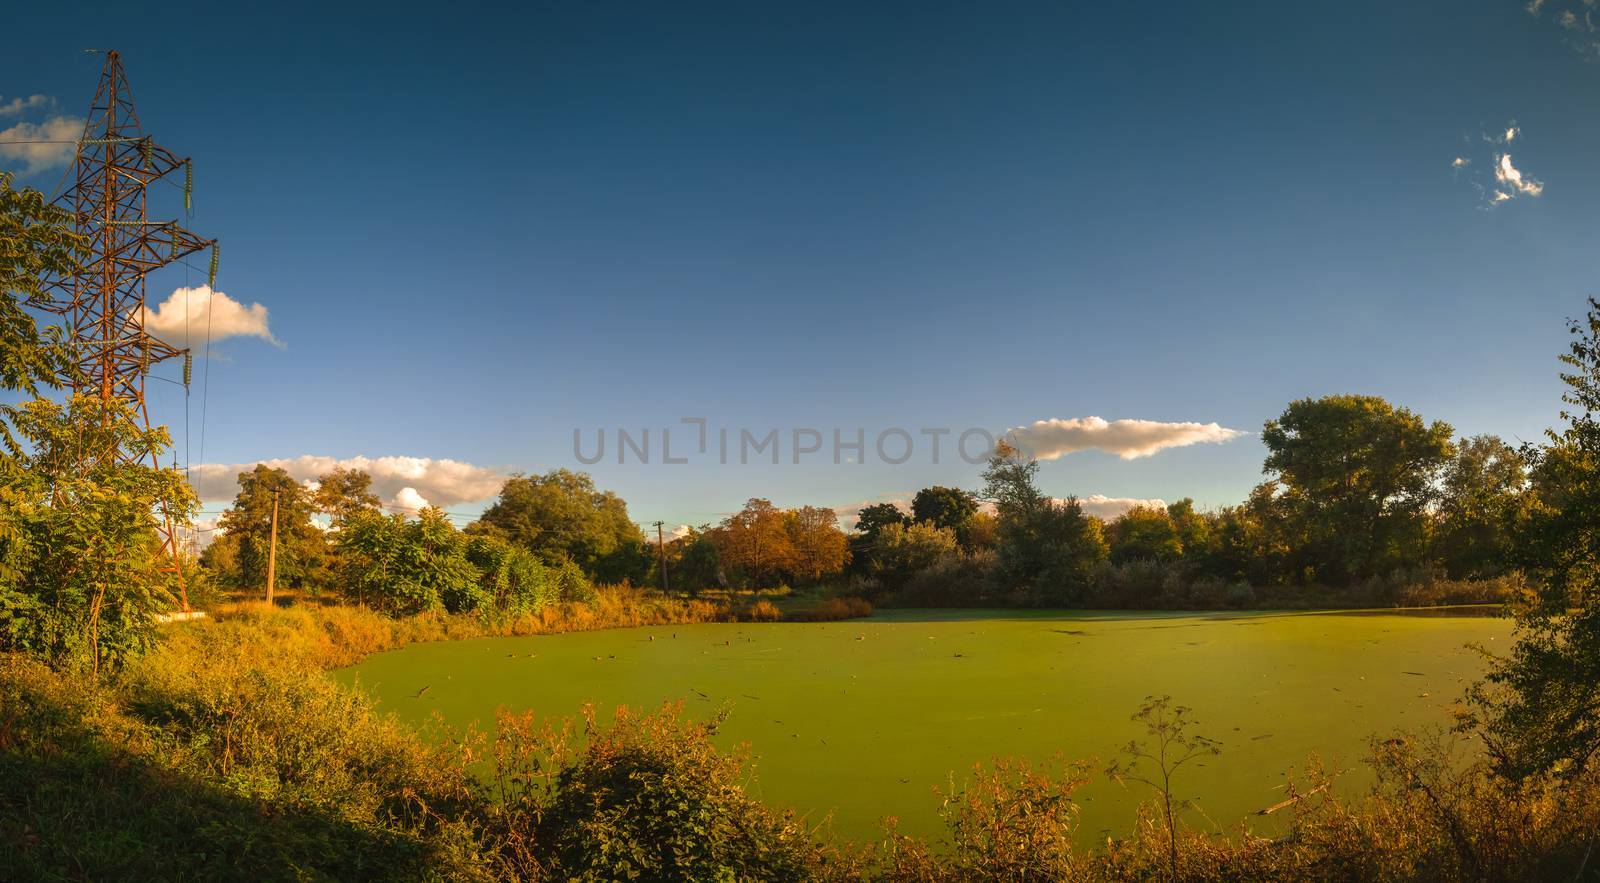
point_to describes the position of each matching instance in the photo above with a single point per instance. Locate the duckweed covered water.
(861, 719)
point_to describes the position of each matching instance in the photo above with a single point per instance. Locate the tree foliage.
(82, 570)
(302, 554)
(1047, 548)
(342, 493)
(1542, 705)
(37, 242)
(1355, 475)
(561, 515)
(943, 506)
(763, 546)
(901, 552)
(404, 567)
(1144, 533)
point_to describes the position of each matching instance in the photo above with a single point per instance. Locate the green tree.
(513, 580)
(403, 567)
(1047, 548)
(1194, 528)
(902, 552)
(1355, 476)
(302, 547)
(341, 493)
(1144, 533)
(1480, 498)
(874, 518)
(37, 242)
(698, 565)
(943, 507)
(82, 569)
(1542, 707)
(562, 516)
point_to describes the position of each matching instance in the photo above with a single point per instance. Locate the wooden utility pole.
(661, 556)
(272, 550)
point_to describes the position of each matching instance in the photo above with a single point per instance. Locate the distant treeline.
(1364, 503)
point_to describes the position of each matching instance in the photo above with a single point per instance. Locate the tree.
(341, 493)
(755, 543)
(513, 580)
(763, 546)
(37, 242)
(943, 507)
(698, 565)
(874, 518)
(562, 516)
(1356, 475)
(1047, 548)
(902, 552)
(820, 547)
(302, 548)
(1194, 529)
(1540, 701)
(406, 567)
(1144, 533)
(82, 569)
(1480, 497)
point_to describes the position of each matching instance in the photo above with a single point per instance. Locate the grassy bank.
(227, 751)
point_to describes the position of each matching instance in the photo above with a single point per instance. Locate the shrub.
(763, 611)
(406, 567)
(644, 797)
(952, 581)
(836, 609)
(1013, 822)
(571, 584)
(513, 580)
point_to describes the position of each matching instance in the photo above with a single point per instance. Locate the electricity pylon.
(103, 300)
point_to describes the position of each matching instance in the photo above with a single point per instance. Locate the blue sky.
(475, 229)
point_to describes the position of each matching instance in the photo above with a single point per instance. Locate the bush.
(572, 584)
(1131, 585)
(513, 580)
(645, 797)
(952, 581)
(837, 609)
(406, 567)
(763, 611)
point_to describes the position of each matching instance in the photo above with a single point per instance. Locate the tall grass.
(227, 754)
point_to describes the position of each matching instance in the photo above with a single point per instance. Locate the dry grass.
(836, 609)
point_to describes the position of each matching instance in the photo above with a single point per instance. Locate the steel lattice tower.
(104, 300)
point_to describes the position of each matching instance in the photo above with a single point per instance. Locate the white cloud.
(17, 106)
(188, 314)
(1512, 179)
(1128, 439)
(404, 482)
(677, 533)
(1107, 508)
(410, 500)
(50, 144)
(1496, 179)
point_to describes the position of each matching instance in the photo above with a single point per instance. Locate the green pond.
(860, 719)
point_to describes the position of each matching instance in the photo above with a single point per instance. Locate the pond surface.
(861, 719)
